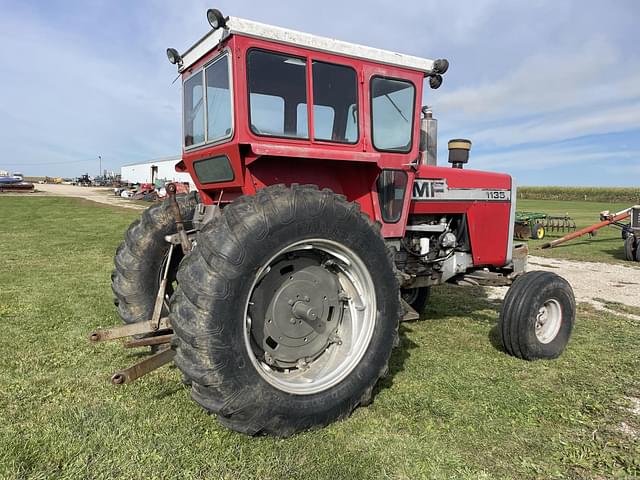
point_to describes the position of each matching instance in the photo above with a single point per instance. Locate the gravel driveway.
(95, 194)
(592, 282)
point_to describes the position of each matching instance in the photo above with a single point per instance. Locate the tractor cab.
(266, 105)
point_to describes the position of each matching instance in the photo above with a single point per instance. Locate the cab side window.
(277, 85)
(335, 96)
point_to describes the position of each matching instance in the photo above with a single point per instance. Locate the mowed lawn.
(454, 406)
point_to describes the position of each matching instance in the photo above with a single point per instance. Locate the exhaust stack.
(428, 138)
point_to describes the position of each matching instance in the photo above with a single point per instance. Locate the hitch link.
(147, 365)
(156, 324)
(139, 328)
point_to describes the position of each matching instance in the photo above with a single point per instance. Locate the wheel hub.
(548, 321)
(296, 322)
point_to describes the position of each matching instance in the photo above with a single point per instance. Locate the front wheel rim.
(548, 321)
(315, 297)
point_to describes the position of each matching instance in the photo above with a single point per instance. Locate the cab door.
(392, 130)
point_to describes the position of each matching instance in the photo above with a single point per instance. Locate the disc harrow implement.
(536, 225)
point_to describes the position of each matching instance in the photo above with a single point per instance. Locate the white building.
(156, 169)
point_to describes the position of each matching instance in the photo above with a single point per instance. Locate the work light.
(173, 56)
(435, 81)
(441, 66)
(215, 18)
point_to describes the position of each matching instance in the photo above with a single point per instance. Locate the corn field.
(589, 194)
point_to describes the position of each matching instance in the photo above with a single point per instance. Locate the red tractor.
(320, 221)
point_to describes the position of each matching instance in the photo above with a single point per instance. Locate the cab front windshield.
(207, 104)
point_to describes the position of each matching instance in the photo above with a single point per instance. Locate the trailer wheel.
(140, 257)
(630, 248)
(286, 311)
(537, 231)
(537, 316)
(416, 297)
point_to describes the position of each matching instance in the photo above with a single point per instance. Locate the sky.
(547, 90)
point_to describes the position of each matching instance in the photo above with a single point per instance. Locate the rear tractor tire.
(537, 316)
(140, 257)
(631, 248)
(286, 311)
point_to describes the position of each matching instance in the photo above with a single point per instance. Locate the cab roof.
(249, 28)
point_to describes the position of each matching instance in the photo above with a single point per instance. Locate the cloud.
(549, 97)
(76, 101)
(586, 121)
(545, 157)
(88, 79)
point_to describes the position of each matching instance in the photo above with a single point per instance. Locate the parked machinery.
(630, 231)
(536, 225)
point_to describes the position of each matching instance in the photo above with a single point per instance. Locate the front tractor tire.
(286, 311)
(140, 257)
(537, 316)
(417, 298)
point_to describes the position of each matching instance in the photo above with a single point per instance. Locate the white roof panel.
(250, 28)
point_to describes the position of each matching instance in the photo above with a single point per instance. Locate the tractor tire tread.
(206, 277)
(521, 302)
(138, 258)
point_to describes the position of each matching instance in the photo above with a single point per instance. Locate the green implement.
(535, 225)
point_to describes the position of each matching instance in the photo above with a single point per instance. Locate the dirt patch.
(592, 282)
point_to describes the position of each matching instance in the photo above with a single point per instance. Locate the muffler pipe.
(428, 138)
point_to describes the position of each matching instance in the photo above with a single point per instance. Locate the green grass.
(591, 194)
(606, 246)
(455, 405)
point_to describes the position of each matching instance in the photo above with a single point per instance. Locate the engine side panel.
(487, 200)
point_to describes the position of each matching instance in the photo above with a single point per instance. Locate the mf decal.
(437, 189)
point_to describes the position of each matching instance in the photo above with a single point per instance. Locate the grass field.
(454, 406)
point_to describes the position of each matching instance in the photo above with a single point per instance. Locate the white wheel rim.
(355, 331)
(548, 321)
